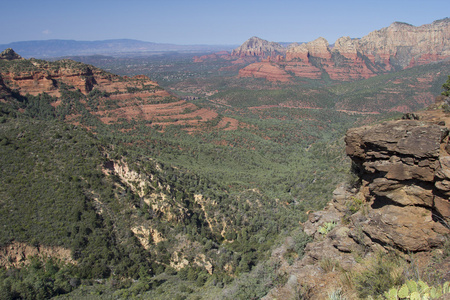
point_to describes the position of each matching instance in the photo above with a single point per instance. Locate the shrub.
(329, 264)
(336, 295)
(446, 87)
(355, 204)
(446, 108)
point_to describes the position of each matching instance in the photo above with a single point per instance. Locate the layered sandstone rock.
(115, 98)
(405, 45)
(38, 76)
(266, 70)
(318, 48)
(405, 174)
(313, 59)
(43, 78)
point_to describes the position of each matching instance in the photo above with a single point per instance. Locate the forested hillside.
(141, 197)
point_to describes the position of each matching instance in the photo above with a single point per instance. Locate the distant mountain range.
(58, 48)
(392, 48)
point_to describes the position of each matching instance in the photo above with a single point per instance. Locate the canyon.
(203, 194)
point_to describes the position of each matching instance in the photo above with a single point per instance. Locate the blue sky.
(208, 21)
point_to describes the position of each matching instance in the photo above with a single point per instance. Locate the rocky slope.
(400, 206)
(396, 47)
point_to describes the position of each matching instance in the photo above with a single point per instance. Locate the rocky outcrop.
(9, 54)
(404, 172)
(16, 254)
(347, 62)
(404, 163)
(114, 98)
(36, 76)
(259, 47)
(318, 48)
(313, 59)
(393, 48)
(266, 70)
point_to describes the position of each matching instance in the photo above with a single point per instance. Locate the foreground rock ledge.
(404, 170)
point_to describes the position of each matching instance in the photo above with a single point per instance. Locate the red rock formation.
(124, 98)
(298, 52)
(301, 69)
(40, 77)
(396, 47)
(318, 48)
(266, 70)
(407, 44)
(211, 57)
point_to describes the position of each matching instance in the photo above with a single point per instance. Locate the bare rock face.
(16, 254)
(40, 77)
(404, 45)
(318, 48)
(404, 170)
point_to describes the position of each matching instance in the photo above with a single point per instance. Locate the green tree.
(446, 87)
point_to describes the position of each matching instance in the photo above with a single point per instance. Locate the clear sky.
(208, 21)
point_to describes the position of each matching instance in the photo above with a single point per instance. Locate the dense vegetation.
(256, 184)
(62, 180)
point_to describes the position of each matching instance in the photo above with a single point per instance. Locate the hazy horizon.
(200, 22)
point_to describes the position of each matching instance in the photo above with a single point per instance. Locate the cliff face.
(404, 167)
(400, 206)
(402, 45)
(36, 76)
(396, 47)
